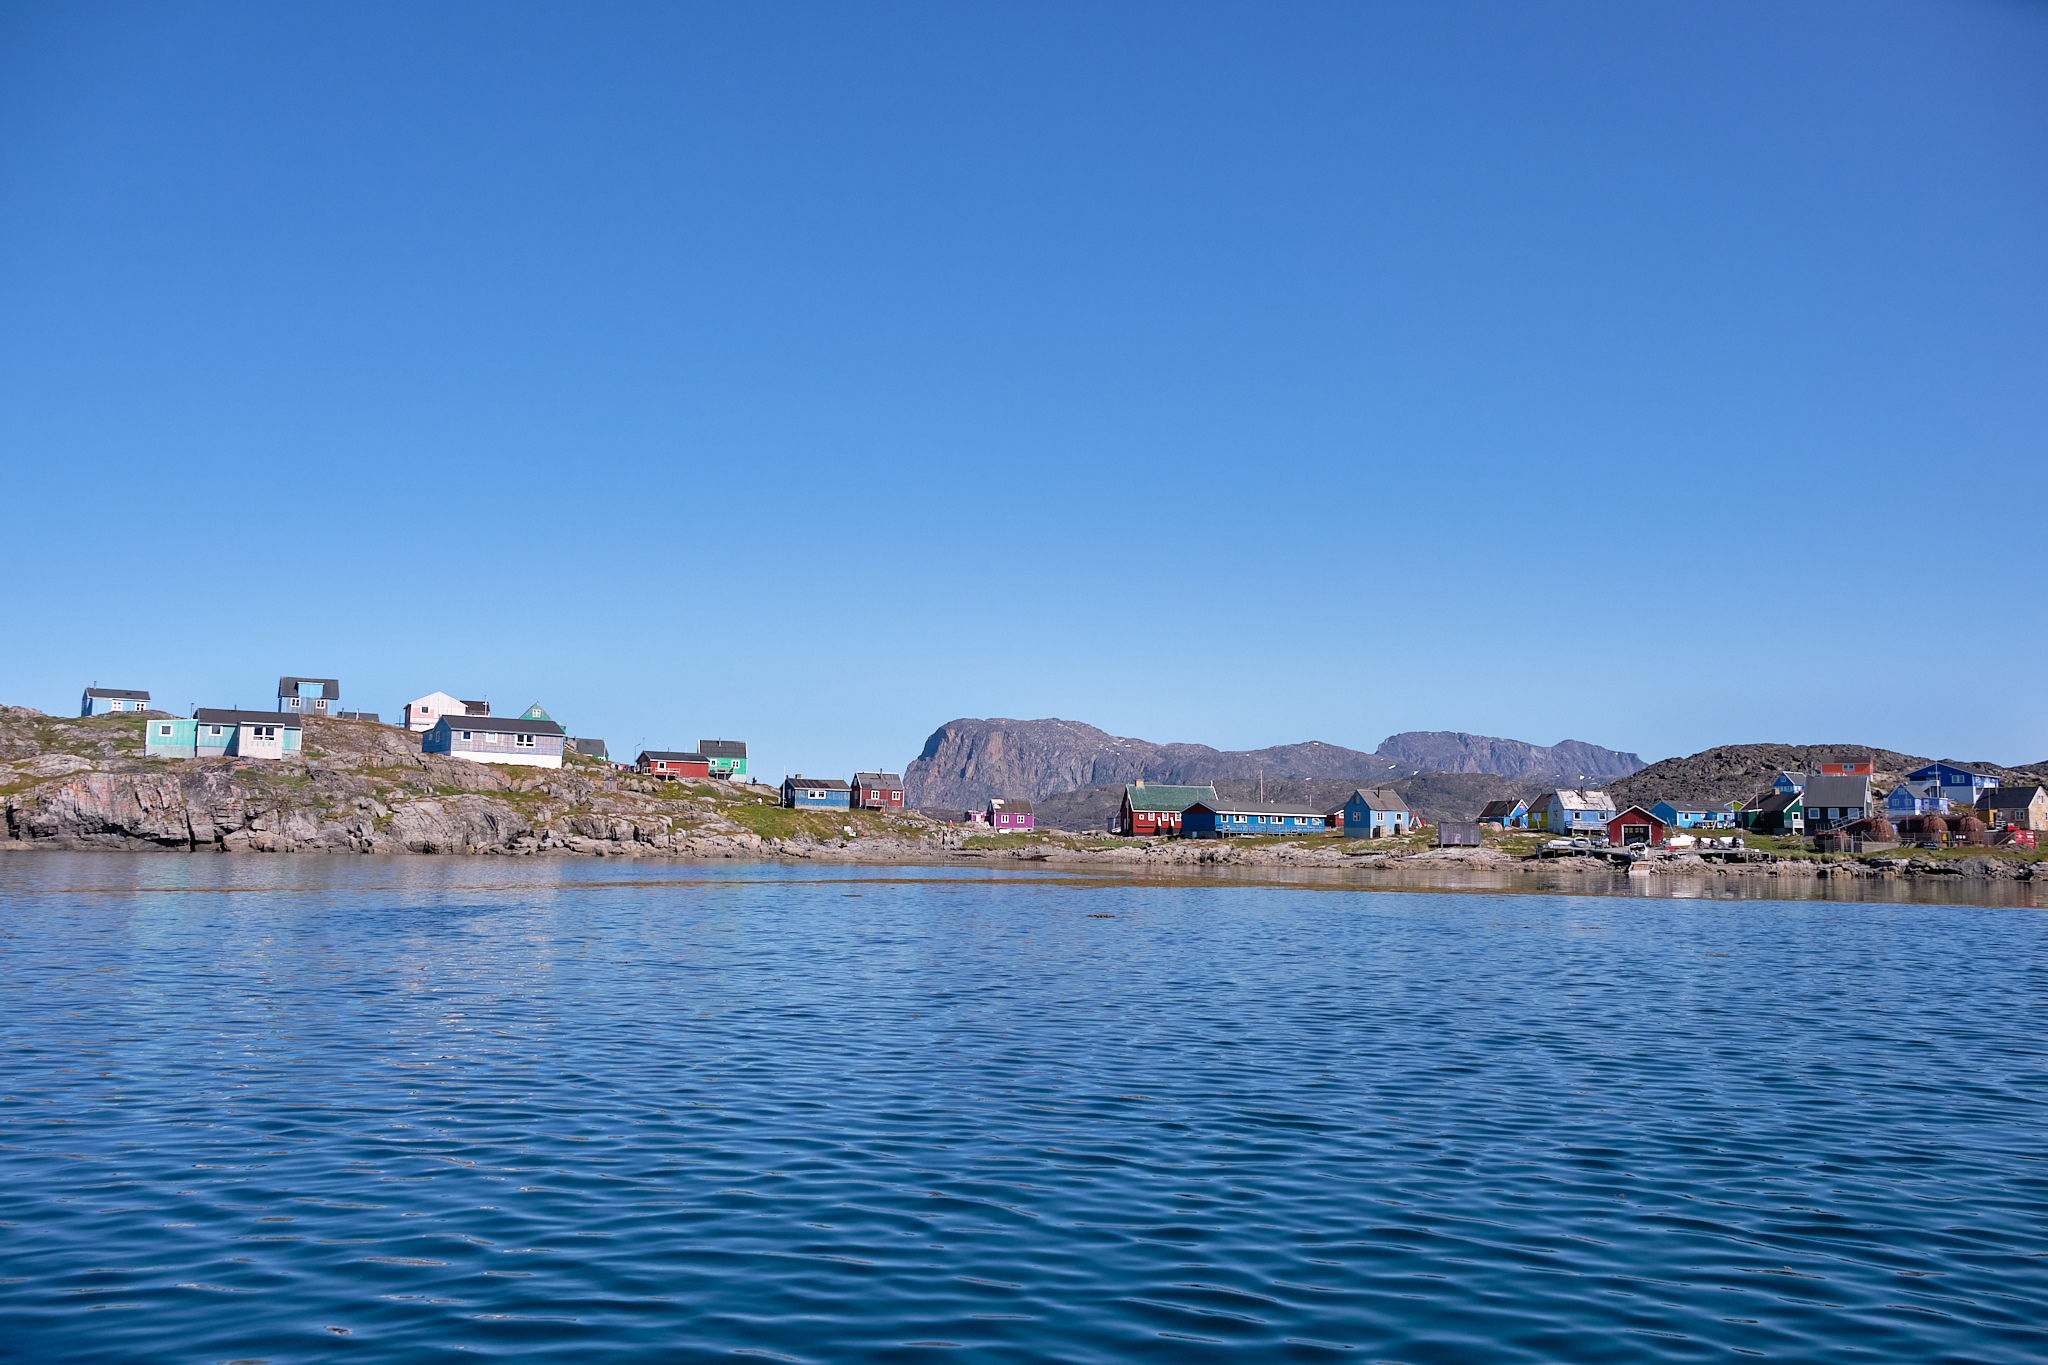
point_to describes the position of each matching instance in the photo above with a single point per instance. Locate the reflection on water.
(440, 1109)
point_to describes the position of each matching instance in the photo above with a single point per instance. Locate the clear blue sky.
(1655, 375)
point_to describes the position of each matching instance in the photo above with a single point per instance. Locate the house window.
(213, 729)
(294, 701)
(163, 730)
(465, 734)
(264, 731)
(522, 741)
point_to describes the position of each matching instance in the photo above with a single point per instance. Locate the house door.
(1635, 834)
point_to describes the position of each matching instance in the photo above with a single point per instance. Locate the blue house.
(223, 734)
(1694, 814)
(1789, 784)
(1226, 818)
(816, 793)
(100, 701)
(1375, 814)
(1958, 784)
(1916, 798)
(1508, 814)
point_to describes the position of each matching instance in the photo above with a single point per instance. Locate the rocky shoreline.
(364, 788)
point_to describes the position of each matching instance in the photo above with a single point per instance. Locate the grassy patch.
(780, 822)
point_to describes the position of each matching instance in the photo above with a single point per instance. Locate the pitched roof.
(212, 716)
(476, 708)
(1503, 807)
(1574, 798)
(330, 688)
(722, 748)
(2008, 798)
(126, 693)
(1931, 769)
(1016, 805)
(878, 779)
(1170, 798)
(1255, 808)
(1643, 810)
(591, 748)
(668, 756)
(500, 725)
(821, 783)
(1379, 798)
(1777, 803)
(1837, 791)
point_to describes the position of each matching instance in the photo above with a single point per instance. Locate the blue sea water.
(448, 1110)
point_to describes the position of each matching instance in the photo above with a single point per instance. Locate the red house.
(1635, 826)
(663, 763)
(1155, 810)
(878, 791)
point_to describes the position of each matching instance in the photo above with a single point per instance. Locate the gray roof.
(722, 748)
(500, 725)
(1502, 807)
(330, 688)
(878, 779)
(125, 693)
(1379, 798)
(477, 708)
(1168, 797)
(1837, 791)
(2008, 798)
(356, 715)
(1016, 805)
(1256, 808)
(1574, 798)
(670, 756)
(1777, 803)
(821, 783)
(210, 716)
(591, 748)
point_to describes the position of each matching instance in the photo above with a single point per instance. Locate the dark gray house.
(591, 748)
(1832, 802)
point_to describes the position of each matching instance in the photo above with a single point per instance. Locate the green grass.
(780, 822)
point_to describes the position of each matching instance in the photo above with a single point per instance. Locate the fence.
(1457, 834)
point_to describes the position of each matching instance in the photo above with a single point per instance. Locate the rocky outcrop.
(1568, 763)
(1737, 772)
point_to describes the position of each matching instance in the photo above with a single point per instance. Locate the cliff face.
(360, 787)
(967, 761)
(1572, 762)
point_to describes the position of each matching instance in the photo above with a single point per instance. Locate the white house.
(99, 701)
(424, 713)
(480, 739)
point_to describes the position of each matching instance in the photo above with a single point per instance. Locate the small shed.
(1457, 833)
(1635, 826)
(815, 793)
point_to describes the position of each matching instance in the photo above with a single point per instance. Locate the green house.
(1774, 813)
(728, 756)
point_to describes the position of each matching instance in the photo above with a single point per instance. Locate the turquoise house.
(728, 756)
(224, 734)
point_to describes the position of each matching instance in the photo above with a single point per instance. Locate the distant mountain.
(1736, 772)
(1571, 762)
(967, 761)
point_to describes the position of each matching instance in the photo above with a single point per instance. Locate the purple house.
(1008, 814)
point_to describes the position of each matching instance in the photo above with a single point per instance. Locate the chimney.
(1141, 781)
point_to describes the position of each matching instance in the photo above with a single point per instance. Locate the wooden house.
(1773, 812)
(1693, 814)
(101, 701)
(1225, 819)
(1915, 798)
(2014, 807)
(1833, 800)
(1376, 813)
(1635, 826)
(1508, 814)
(308, 696)
(1959, 784)
(877, 791)
(215, 733)
(515, 740)
(423, 713)
(1789, 784)
(815, 793)
(1154, 809)
(591, 748)
(1008, 815)
(728, 756)
(672, 763)
(1580, 812)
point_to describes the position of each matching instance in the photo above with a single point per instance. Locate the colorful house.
(669, 763)
(1915, 798)
(815, 793)
(1774, 812)
(877, 791)
(1573, 811)
(728, 756)
(1376, 814)
(1508, 814)
(1155, 809)
(308, 696)
(1832, 801)
(224, 734)
(1223, 819)
(1693, 814)
(1635, 826)
(1008, 815)
(1789, 784)
(2009, 807)
(100, 701)
(515, 740)
(1959, 784)
(423, 713)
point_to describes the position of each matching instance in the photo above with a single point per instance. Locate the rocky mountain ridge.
(1737, 772)
(1433, 796)
(966, 761)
